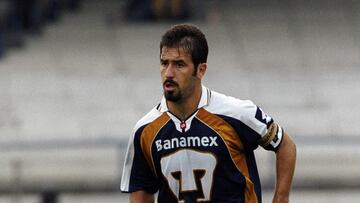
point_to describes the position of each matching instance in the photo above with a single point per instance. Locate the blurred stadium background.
(76, 75)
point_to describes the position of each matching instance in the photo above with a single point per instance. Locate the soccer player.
(197, 144)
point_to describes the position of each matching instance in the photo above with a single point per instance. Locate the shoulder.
(244, 111)
(230, 106)
(152, 115)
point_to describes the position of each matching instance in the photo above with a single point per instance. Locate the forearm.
(285, 167)
(141, 197)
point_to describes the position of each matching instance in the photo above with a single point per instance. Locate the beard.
(174, 95)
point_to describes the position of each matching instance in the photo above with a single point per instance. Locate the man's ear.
(201, 70)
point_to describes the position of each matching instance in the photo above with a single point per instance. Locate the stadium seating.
(69, 99)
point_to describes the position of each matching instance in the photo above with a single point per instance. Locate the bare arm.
(285, 166)
(141, 197)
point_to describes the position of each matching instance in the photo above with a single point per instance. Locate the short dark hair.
(188, 37)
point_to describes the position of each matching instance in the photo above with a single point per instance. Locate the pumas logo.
(191, 141)
(195, 179)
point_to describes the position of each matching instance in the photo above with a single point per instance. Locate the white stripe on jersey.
(125, 178)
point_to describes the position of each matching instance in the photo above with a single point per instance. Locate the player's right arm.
(141, 197)
(138, 178)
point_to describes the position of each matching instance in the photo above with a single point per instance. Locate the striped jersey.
(206, 158)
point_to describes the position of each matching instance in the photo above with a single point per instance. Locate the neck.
(184, 108)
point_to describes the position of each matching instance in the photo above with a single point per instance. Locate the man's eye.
(180, 65)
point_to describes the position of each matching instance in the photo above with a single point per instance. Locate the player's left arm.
(285, 167)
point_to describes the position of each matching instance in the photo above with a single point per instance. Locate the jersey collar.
(204, 100)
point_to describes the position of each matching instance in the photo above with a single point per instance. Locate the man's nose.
(169, 71)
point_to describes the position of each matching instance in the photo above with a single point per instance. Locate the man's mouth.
(170, 85)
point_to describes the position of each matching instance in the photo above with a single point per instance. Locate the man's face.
(177, 74)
